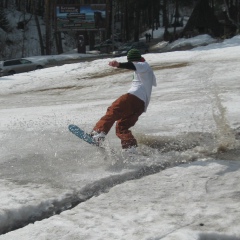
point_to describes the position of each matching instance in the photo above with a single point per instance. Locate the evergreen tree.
(4, 24)
(203, 20)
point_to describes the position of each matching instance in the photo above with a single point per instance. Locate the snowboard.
(81, 134)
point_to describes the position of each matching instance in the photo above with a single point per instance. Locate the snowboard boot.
(130, 154)
(98, 137)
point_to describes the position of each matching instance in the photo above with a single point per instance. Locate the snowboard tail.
(81, 134)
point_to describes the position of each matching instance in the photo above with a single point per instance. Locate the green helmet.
(134, 55)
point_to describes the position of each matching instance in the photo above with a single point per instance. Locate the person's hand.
(113, 63)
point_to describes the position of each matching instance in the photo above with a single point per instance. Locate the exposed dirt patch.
(154, 67)
(59, 88)
(170, 66)
(111, 72)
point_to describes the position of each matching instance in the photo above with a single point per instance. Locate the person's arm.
(125, 65)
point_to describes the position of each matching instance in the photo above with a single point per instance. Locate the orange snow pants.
(125, 111)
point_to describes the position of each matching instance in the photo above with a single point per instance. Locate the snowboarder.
(128, 107)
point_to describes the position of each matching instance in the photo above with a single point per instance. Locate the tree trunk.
(58, 40)
(48, 27)
(126, 22)
(109, 18)
(136, 22)
(176, 17)
(165, 21)
(39, 33)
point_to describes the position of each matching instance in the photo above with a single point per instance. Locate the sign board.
(81, 17)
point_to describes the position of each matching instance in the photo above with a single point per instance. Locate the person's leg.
(114, 113)
(123, 132)
(133, 109)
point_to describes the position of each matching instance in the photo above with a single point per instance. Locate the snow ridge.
(14, 219)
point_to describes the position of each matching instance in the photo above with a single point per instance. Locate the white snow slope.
(183, 185)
